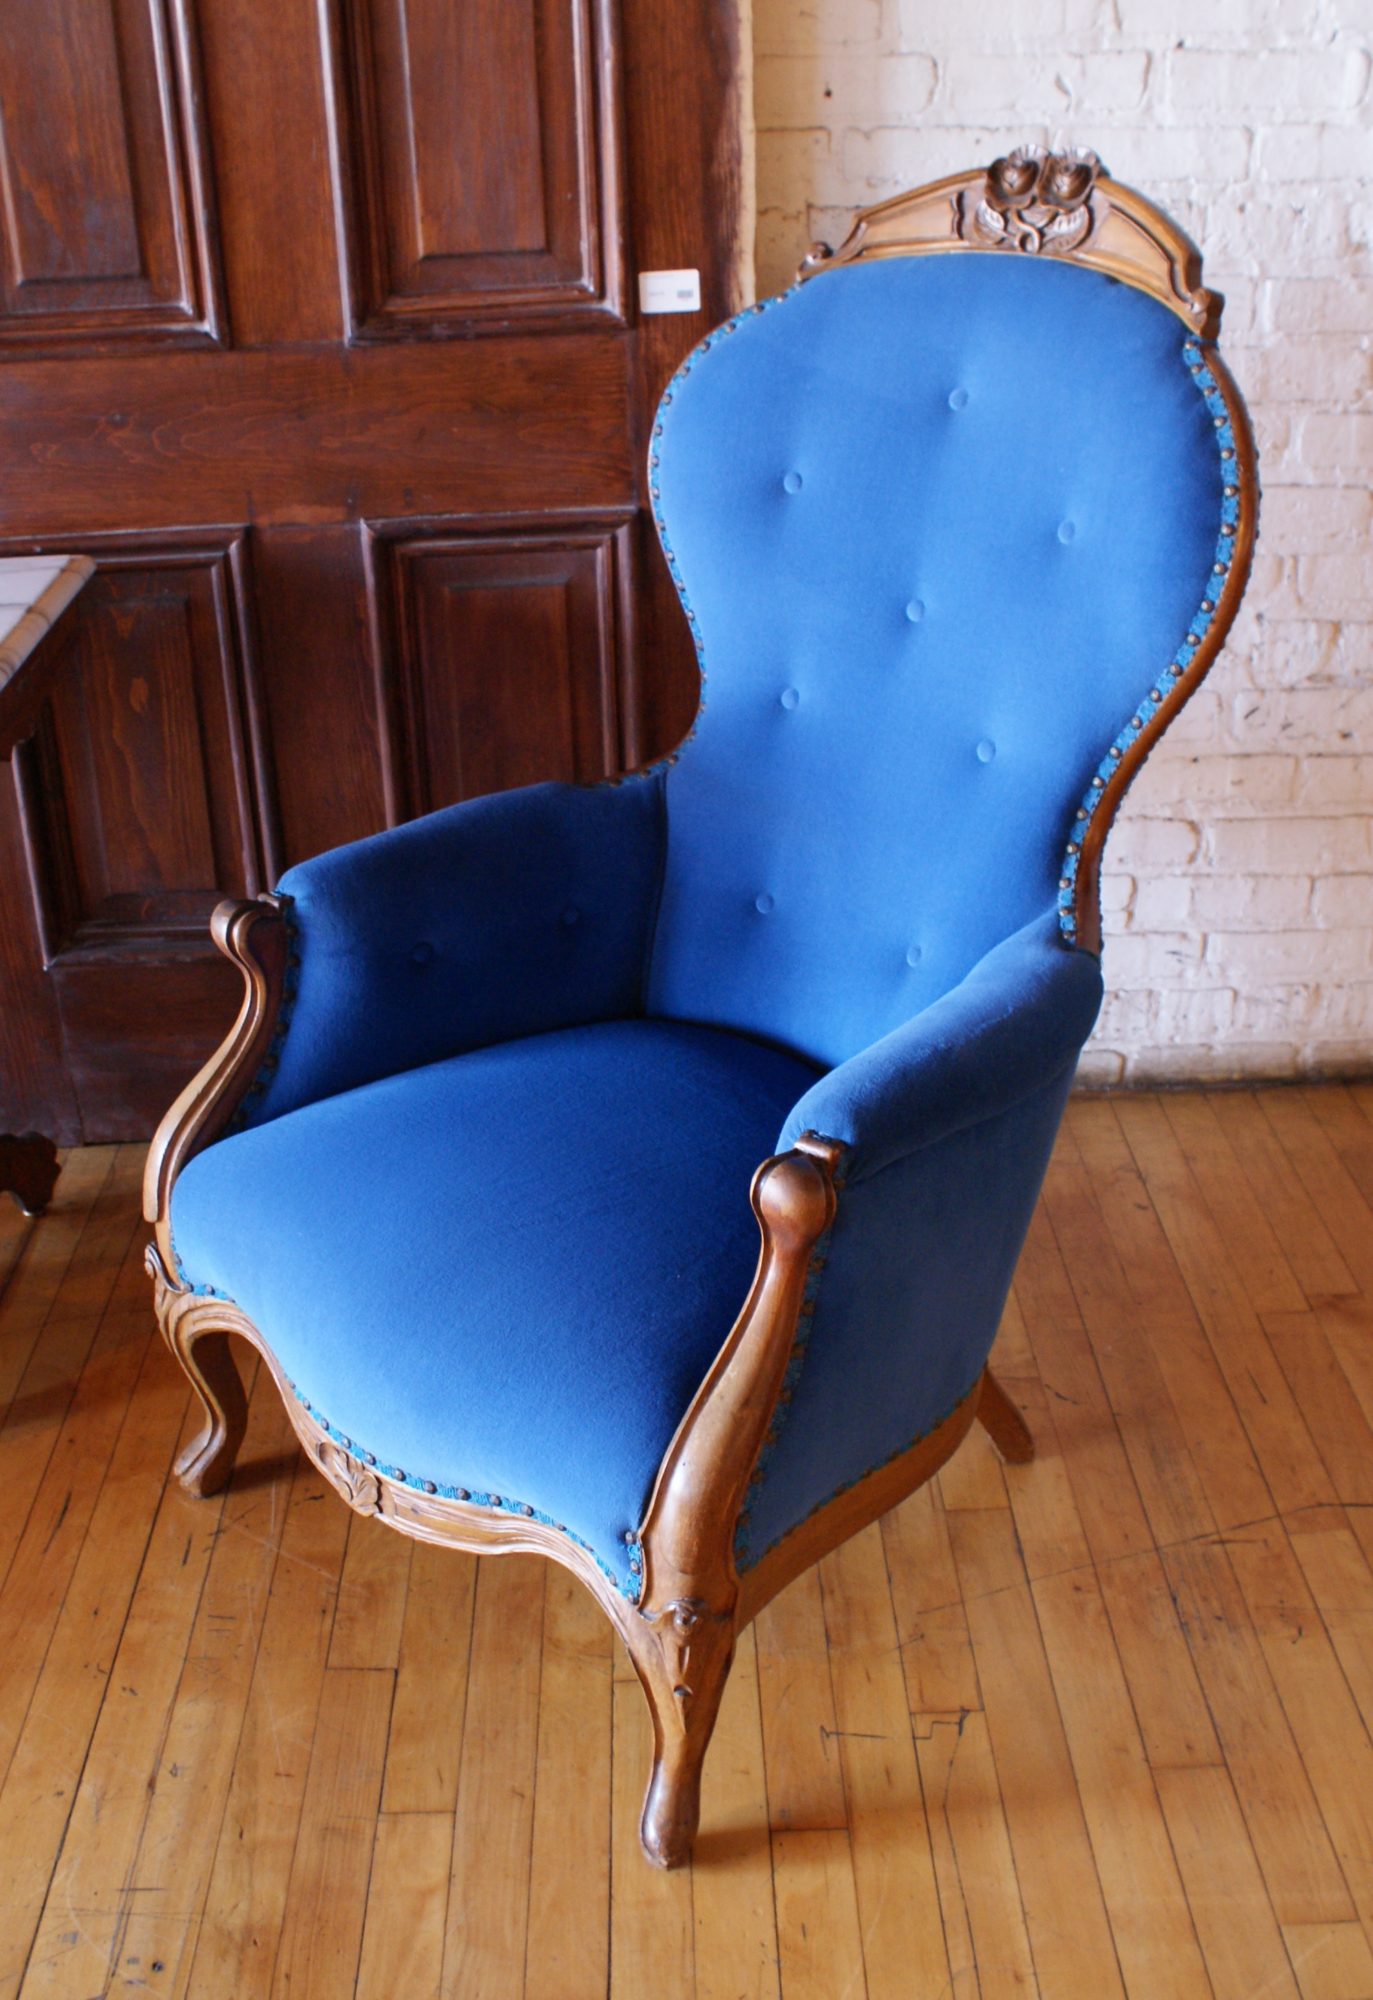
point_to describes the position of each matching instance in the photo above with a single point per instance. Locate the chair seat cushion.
(507, 1273)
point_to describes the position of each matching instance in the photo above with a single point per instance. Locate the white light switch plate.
(669, 291)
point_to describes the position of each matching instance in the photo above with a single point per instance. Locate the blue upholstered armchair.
(959, 523)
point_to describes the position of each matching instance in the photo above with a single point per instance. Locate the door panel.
(354, 562)
(108, 218)
(147, 812)
(505, 654)
(506, 211)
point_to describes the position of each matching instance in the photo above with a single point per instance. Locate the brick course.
(1239, 884)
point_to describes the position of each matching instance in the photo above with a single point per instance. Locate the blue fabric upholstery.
(500, 917)
(1017, 1019)
(508, 1271)
(906, 1305)
(940, 525)
(941, 521)
(948, 1124)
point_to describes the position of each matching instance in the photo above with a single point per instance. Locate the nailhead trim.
(496, 1502)
(1163, 693)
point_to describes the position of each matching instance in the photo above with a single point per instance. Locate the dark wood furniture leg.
(1003, 1422)
(28, 1170)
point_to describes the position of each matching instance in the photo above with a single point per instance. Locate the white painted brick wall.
(1239, 885)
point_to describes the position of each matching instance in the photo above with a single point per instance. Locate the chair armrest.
(1015, 1022)
(507, 915)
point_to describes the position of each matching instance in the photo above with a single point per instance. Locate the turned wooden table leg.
(1003, 1422)
(28, 1170)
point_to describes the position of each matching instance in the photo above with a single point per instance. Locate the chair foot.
(1003, 1422)
(683, 1656)
(672, 1808)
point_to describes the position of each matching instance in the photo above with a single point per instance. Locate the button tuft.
(764, 904)
(791, 482)
(986, 750)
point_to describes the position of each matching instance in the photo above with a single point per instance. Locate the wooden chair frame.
(682, 1632)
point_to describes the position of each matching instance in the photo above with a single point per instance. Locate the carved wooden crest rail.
(1038, 203)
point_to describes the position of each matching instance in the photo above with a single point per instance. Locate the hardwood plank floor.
(1099, 1725)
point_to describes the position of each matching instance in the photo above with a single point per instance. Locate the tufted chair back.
(950, 532)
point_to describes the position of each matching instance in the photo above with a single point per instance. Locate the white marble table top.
(34, 591)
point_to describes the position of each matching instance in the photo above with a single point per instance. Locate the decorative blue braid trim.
(199, 1291)
(497, 1502)
(712, 339)
(1165, 687)
(267, 1068)
(183, 1278)
(796, 1361)
(849, 1484)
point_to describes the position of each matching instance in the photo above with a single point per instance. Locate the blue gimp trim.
(1164, 688)
(498, 1502)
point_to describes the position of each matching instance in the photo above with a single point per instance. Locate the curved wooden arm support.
(688, 1615)
(197, 1331)
(255, 937)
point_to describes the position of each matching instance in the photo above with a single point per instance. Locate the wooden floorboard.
(1101, 1725)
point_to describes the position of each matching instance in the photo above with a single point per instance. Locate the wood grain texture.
(508, 214)
(109, 224)
(271, 237)
(500, 655)
(1047, 1763)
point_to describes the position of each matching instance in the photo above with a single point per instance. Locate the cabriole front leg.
(682, 1637)
(682, 1656)
(197, 1331)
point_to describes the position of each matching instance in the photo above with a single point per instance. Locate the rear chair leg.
(1003, 1422)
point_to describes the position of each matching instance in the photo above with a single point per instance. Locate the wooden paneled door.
(318, 331)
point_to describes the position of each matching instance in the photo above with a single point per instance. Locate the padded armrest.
(1013, 1024)
(505, 916)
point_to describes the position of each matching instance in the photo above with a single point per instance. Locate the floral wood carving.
(1061, 204)
(678, 1630)
(1033, 200)
(359, 1487)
